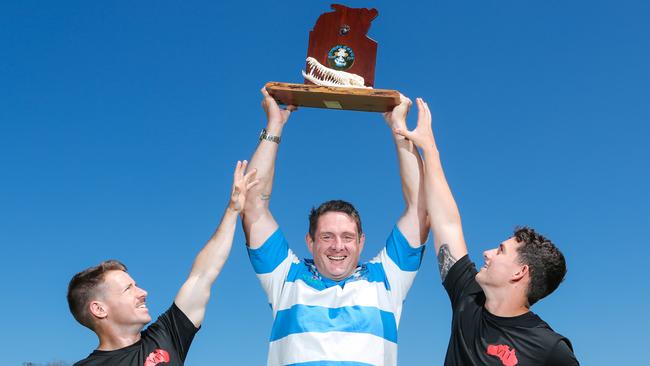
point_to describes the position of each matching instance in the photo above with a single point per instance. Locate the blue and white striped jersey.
(321, 322)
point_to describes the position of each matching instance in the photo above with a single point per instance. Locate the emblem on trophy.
(340, 66)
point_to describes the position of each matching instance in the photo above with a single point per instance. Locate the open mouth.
(142, 306)
(324, 76)
(336, 258)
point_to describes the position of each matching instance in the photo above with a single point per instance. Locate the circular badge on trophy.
(340, 57)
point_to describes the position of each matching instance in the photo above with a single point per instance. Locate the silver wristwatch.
(265, 136)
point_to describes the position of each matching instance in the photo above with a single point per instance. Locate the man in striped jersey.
(332, 309)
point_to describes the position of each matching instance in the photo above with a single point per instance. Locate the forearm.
(263, 161)
(413, 222)
(210, 260)
(257, 220)
(195, 292)
(444, 216)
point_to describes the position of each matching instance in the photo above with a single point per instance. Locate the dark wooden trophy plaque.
(339, 42)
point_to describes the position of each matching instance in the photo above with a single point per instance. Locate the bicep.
(192, 299)
(450, 247)
(258, 228)
(412, 227)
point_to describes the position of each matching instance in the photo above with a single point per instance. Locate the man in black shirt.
(492, 323)
(105, 299)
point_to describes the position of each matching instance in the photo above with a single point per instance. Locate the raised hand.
(274, 113)
(397, 117)
(240, 186)
(422, 135)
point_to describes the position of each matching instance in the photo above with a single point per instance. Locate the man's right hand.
(396, 119)
(274, 114)
(422, 135)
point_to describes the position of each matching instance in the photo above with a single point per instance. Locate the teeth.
(321, 75)
(336, 258)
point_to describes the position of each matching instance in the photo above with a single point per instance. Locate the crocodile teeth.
(324, 76)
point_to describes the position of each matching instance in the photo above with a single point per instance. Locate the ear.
(310, 243)
(98, 309)
(522, 273)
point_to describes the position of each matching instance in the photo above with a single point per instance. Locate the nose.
(143, 293)
(338, 244)
(488, 254)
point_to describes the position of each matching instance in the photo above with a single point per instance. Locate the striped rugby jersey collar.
(360, 273)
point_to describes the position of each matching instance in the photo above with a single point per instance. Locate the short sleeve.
(178, 327)
(562, 355)
(400, 262)
(460, 280)
(271, 263)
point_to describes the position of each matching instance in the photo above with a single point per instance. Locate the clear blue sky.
(120, 123)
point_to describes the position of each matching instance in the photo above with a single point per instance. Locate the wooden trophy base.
(316, 96)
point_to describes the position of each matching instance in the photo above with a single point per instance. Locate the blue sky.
(121, 122)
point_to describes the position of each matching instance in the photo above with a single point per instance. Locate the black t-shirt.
(163, 343)
(481, 338)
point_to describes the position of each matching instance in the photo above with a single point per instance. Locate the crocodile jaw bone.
(324, 76)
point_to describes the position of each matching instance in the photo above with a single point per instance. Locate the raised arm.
(195, 292)
(257, 220)
(413, 222)
(444, 217)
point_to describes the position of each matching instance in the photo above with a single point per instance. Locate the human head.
(546, 264)
(95, 291)
(335, 238)
(526, 258)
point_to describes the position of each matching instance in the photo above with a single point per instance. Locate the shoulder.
(173, 320)
(461, 273)
(559, 347)
(273, 252)
(401, 253)
(562, 354)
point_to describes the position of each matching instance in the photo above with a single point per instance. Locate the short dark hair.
(83, 288)
(336, 206)
(546, 264)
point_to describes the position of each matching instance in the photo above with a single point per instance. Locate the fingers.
(252, 184)
(240, 174)
(403, 132)
(291, 108)
(238, 169)
(403, 99)
(424, 114)
(250, 175)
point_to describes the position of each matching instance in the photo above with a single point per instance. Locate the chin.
(146, 319)
(478, 277)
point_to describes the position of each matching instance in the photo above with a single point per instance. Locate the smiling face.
(336, 245)
(502, 265)
(124, 302)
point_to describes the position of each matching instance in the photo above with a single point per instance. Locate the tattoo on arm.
(265, 197)
(445, 260)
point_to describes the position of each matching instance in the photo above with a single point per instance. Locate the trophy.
(340, 66)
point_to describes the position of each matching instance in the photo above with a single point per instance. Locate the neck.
(504, 303)
(110, 339)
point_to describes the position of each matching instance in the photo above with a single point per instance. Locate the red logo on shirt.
(156, 357)
(505, 354)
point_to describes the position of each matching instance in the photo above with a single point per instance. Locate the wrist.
(269, 136)
(430, 149)
(274, 128)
